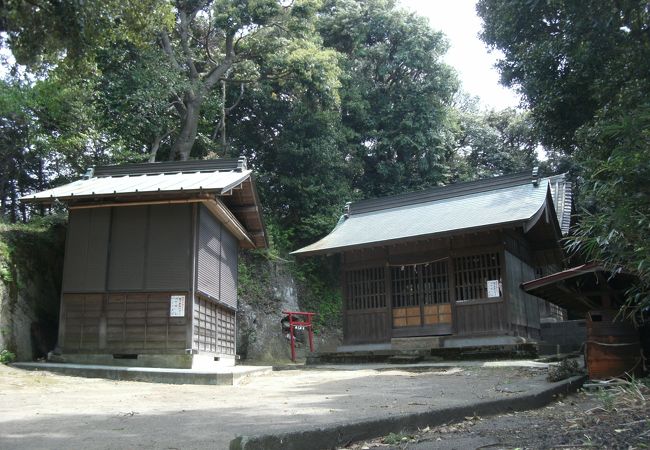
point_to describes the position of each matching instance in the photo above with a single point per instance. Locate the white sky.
(458, 20)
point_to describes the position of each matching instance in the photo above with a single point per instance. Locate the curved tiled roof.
(514, 199)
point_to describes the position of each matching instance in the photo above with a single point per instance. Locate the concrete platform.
(226, 376)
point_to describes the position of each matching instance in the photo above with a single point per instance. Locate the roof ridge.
(440, 193)
(168, 167)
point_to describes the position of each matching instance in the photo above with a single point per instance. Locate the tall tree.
(495, 142)
(584, 68)
(396, 94)
(568, 58)
(205, 45)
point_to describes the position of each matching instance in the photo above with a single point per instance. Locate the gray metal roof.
(207, 181)
(493, 202)
(155, 178)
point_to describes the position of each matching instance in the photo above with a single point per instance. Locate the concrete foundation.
(562, 337)
(225, 376)
(179, 361)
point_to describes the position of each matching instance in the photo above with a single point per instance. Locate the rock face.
(272, 290)
(16, 318)
(260, 336)
(31, 266)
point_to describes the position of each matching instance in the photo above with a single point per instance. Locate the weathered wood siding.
(431, 287)
(366, 319)
(214, 328)
(86, 252)
(476, 313)
(121, 323)
(122, 266)
(480, 317)
(523, 308)
(216, 261)
(130, 248)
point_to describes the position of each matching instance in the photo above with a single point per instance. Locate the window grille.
(472, 274)
(365, 289)
(420, 294)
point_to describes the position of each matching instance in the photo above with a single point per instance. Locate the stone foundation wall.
(562, 337)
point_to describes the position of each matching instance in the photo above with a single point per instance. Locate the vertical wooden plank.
(345, 291)
(194, 280)
(102, 322)
(451, 283)
(388, 300)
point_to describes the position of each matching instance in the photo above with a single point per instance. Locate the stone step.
(517, 351)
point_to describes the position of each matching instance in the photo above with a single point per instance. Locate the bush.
(6, 357)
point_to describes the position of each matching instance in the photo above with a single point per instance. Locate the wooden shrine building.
(447, 262)
(150, 268)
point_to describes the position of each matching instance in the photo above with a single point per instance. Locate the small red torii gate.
(304, 323)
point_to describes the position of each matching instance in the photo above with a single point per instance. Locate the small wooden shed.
(447, 263)
(150, 269)
(612, 345)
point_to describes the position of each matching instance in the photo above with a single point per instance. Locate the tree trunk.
(155, 145)
(185, 139)
(223, 117)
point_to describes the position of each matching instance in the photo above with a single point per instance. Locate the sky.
(467, 54)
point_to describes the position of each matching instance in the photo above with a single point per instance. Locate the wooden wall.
(214, 328)
(472, 260)
(217, 253)
(129, 248)
(367, 316)
(523, 308)
(123, 264)
(121, 323)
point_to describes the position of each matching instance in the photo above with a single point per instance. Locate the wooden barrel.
(613, 348)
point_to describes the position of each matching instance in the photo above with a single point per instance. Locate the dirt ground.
(615, 417)
(44, 410)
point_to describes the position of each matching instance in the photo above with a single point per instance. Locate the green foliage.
(7, 357)
(41, 33)
(584, 68)
(615, 224)
(569, 59)
(495, 143)
(397, 439)
(252, 282)
(395, 98)
(32, 261)
(320, 291)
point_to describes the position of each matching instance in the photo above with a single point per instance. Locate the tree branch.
(241, 95)
(184, 34)
(220, 70)
(169, 51)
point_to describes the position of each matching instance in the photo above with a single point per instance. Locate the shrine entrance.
(420, 299)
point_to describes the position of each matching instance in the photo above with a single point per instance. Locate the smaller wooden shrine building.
(150, 268)
(447, 262)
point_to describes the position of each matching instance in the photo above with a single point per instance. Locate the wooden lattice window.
(435, 283)
(365, 289)
(404, 286)
(472, 274)
(420, 294)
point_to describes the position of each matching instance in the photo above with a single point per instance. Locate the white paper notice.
(493, 288)
(177, 306)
